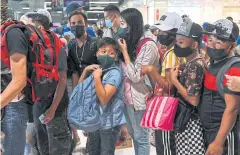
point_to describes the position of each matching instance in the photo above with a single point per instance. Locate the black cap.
(224, 29)
(191, 30)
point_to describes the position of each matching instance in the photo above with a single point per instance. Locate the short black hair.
(76, 12)
(100, 33)
(230, 18)
(112, 8)
(108, 41)
(40, 19)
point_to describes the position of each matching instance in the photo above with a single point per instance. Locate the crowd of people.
(128, 61)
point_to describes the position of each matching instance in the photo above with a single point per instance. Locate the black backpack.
(221, 73)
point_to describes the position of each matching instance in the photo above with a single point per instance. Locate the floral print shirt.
(192, 76)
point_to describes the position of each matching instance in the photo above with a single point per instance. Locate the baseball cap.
(224, 29)
(153, 27)
(190, 30)
(169, 21)
(45, 13)
(73, 6)
(146, 27)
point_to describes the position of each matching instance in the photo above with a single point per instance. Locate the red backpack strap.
(58, 46)
(5, 28)
(141, 43)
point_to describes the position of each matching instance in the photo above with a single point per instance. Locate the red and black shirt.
(212, 107)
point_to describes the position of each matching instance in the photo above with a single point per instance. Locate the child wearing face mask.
(109, 90)
(188, 128)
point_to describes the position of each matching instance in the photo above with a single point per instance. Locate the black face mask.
(165, 39)
(182, 52)
(216, 54)
(78, 31)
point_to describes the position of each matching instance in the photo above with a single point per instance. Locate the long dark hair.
(134, 20)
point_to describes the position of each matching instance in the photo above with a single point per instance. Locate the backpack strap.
(221, 74)
(40, 35)
(5, 28)
(141, 43)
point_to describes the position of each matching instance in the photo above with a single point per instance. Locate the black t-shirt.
(213, 105)
(18, 43)
(80, 57)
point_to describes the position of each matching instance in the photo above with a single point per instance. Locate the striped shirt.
(170, 61)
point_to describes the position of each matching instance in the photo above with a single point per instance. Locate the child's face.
(109, 50)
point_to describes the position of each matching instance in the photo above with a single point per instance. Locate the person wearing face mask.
(218, 114)
(188, 82)
(65, 28)
(112, 21)
(136, 86)
(108, 81)
(82, 50)
(168, 25)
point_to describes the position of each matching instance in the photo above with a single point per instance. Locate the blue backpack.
(84, 108)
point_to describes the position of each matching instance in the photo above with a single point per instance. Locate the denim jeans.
(139, 134)
(14, 125)
(102, 142)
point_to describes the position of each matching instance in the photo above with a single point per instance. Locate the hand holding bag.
(160, 112)
(185, 111)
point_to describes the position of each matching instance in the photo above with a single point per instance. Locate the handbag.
(184, 112)
(160, 112)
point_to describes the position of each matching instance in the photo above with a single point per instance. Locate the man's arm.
(62, 84)
(18, 63)
(75, 78)
(194, 100)
(152, 71)
(18, 48)
(228, 121)
(83, 76)
(229, 117)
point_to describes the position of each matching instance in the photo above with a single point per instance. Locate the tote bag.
(160, 112)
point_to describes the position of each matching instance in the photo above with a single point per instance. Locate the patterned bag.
(160, 112)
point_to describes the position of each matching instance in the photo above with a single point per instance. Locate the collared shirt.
(170, 61)
(80, 57)
(110, 33)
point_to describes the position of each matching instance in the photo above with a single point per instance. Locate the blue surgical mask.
(108, 23)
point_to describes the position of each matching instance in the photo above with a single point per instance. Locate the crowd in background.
(128, 63)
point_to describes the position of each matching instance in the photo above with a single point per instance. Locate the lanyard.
(81, 59)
